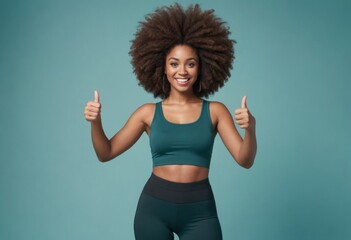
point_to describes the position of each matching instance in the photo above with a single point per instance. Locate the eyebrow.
(173, 58)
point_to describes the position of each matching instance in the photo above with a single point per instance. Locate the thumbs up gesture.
(243, 116)
(93, 108)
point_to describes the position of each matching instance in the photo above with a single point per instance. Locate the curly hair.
(171, 26)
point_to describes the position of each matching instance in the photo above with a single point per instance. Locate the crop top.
(188, 143)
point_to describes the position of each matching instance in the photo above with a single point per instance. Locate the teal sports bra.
(188, 143)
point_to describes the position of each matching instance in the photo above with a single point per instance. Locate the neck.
(178, 98)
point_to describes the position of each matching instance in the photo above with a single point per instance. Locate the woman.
(181, 56)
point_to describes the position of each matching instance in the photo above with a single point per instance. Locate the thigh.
(150, 222)
(200, 221)
(209, 229)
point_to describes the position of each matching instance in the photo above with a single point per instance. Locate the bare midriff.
(181, 173)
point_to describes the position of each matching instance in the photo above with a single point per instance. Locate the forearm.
(248, 148)
(100, 141)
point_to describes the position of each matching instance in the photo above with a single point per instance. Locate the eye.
(173, 64)
(192, 64)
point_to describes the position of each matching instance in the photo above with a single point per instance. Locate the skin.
(181, 106)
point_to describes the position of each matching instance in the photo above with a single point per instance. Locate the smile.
(182, 80)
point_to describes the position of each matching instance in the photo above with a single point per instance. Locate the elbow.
(246, 161)
(103, 159)
(247, 164)
(106, 157)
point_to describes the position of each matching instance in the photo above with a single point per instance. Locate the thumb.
(96, 97)
(243, 102)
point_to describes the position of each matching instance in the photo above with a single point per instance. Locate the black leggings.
(187, 209)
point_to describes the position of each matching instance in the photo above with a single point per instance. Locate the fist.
(243, 116)
(93, 108)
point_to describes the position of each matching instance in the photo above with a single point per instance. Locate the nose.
(182, 70)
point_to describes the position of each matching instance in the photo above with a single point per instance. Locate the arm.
(108, 149)
(242, 150)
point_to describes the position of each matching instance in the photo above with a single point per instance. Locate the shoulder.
(145, 112)
(145, 109)
(218, 110)
(217, 107)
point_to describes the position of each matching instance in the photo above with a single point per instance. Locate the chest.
(182, 114)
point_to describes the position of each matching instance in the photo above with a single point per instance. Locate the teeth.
(182, 80)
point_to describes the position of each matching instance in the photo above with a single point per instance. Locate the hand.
(243, 116)
(93, 109)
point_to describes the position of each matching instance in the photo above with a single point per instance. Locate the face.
(182, 66)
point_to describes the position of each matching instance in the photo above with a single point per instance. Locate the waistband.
(178, 192)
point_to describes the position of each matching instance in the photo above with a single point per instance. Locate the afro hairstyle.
(173, 25)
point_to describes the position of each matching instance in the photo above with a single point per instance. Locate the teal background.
(292, 61)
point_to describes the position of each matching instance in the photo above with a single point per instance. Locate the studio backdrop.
(292, 62)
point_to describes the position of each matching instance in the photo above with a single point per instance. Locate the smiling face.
(182, 67)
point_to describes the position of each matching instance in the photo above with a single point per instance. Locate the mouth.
(182, 80)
